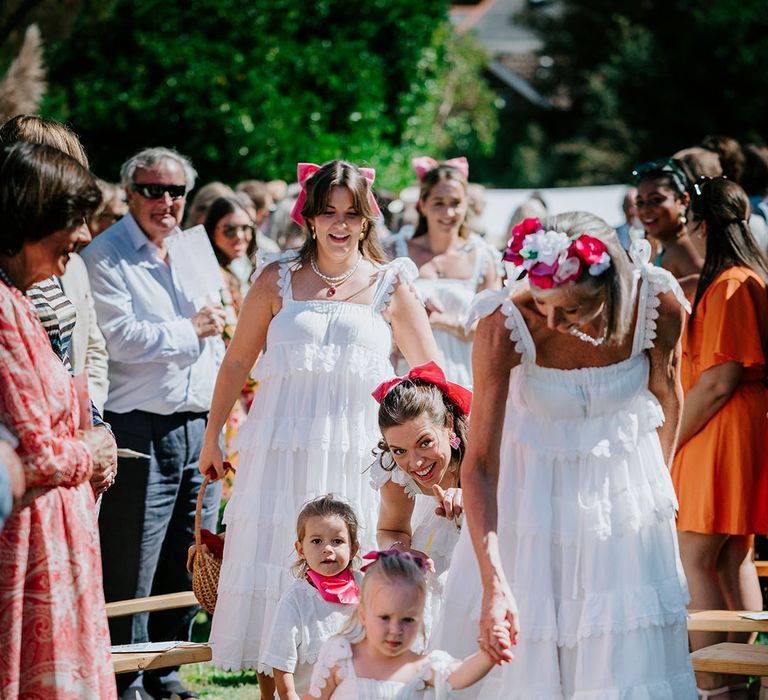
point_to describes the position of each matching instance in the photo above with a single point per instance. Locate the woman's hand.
(450, 503)
(103, 448)
(211, 461)
(498, 621)
(15, 469)
(400, 547)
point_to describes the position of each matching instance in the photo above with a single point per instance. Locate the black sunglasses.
(232, 231)
(155, 190)
(663, 165)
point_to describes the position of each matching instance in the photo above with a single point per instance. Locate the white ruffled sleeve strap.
(384, 470)
(335, 653)
(440, 666)
(285, 259)
(657, 281)
(393, 274)
(484, 304)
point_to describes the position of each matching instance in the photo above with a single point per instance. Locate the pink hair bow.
(431, 373)
(375, 555)
(306, 170)
(423, 164)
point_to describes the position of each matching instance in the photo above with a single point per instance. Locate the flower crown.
(552, 258)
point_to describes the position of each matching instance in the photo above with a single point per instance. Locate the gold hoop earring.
(363, 230)
(311, 230)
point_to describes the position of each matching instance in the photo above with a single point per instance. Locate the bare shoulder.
(266, 286)
(493, 346)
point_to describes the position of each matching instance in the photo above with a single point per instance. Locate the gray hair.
(150, 157)
(617, 280)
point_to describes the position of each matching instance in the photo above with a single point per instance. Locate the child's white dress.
(586, 527)
(310, 431)
(337, 652)
(303, 622)
(455, 297)
(429, 531)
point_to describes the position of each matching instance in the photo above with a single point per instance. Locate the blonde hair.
(390, 568)
(325, 507)
(616, 281)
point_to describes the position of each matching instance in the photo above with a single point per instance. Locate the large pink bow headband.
(306, 170)
(375, 555)
(553, 258)
(431, 374)
(423, 164)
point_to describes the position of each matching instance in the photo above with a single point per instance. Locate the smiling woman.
(328, 315)
(423, 421)
(51, 588)
(454, 263)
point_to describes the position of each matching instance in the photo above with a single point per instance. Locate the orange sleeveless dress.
(721, 473)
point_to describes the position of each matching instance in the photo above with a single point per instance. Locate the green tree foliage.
(644, 78)
(247, 88)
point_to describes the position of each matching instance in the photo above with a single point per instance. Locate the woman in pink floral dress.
(53, 627)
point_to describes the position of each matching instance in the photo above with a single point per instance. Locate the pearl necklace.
(334, 282)
(588, 338)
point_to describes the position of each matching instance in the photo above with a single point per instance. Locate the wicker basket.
(205, 566)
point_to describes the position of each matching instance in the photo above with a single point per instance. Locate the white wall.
(605, 201)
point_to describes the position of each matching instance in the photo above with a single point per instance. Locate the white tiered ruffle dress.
(586, 525)
(430, 682)
(310, 431)
(454, 297)
(430, 533)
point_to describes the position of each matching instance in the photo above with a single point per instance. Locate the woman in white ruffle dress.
(454, 264)
(312, 425)
(584, 523)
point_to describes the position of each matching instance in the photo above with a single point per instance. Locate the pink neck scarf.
(341, 588)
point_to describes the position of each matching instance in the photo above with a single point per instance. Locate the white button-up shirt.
(156, 361)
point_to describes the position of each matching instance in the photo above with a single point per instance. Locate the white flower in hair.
(548, 245)
(566, 268)
(600, 267)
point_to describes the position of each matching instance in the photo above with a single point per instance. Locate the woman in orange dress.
(720, 471)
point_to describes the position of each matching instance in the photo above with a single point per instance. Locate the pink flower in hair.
(569, 270)
(589, 249)
(516, 243)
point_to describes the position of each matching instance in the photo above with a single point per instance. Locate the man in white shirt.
(164, 357)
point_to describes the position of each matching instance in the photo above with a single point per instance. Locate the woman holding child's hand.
(569, 502)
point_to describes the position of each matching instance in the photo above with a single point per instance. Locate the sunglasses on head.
(663, 165)
(155, 190)
(232, 231)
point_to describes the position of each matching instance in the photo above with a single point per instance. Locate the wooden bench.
(187, 653)
(169, 601)
(739, 659)
(723, 621)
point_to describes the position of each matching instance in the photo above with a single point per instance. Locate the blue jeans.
(147, 521)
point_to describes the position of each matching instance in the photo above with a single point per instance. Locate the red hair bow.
(306, 170)
(423, 164)
(432, 374)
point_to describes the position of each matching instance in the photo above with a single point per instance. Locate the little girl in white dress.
(373, 659)
(317, 605)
